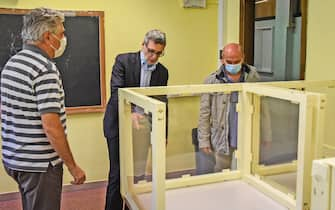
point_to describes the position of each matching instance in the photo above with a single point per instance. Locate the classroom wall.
(191, 54)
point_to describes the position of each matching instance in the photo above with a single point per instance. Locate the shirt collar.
(143, 61)
(36, 49)
(145, 65)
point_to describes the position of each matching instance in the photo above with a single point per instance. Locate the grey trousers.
(215, 162)
(223, 161)
(39, 190)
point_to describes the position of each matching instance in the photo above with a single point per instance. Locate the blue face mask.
(233, 68)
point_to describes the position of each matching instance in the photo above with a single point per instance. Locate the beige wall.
(320, 40)
(190, 55)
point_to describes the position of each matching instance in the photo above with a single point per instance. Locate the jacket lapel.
(137, 68)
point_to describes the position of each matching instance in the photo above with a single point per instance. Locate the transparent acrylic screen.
(277, 149)
(183, 156)
(142, 162)
(328, 144)
(279, 131)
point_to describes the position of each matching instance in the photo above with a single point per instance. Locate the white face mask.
(62, 47)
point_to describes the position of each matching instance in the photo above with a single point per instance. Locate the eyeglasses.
(152, 52)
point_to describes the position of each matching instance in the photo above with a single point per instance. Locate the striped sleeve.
(48, 92)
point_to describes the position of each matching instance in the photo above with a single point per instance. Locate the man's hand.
(206, 150)
(136, 117)
(55, 132)
(78, 175)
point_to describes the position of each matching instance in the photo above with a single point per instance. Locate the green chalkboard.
(82, 65)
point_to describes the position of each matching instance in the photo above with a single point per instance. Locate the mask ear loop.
(53, 47)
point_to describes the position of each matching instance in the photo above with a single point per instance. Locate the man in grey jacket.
(217, 128)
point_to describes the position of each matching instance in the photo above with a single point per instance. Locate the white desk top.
(230, 195)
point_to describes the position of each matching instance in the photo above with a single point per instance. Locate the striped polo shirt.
(30, 86)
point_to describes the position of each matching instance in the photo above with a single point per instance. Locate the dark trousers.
(39, 190)
(113, 197)
(213, 162)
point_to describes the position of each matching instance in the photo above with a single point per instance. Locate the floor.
(89, 196)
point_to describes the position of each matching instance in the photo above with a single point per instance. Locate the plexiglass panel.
(326, 145)
(277, 149)
(191, 121)
(141, 146)
(279, 131)
(182, 143)
(141, 152)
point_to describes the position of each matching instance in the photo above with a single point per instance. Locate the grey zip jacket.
(213, 124)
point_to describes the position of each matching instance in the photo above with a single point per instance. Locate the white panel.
(320, 185)
(233, 195)
(332, 187)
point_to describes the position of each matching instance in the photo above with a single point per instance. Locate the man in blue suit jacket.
(137, 69)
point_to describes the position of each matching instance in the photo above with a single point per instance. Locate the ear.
(46, 36)
(142, 47)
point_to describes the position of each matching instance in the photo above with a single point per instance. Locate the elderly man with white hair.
(34, 139)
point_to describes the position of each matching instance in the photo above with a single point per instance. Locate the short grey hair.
(38, 21)
(156, 36)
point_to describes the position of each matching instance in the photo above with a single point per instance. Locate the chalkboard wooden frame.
(99, 15)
